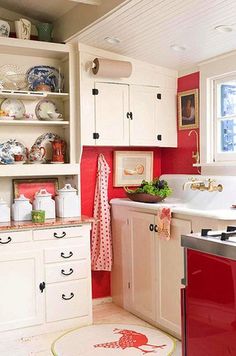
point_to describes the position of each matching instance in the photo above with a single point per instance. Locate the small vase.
(4, 29)
(44, 31)
(23, 29)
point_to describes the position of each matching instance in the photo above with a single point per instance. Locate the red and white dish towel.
(101, 244)
(163, 223)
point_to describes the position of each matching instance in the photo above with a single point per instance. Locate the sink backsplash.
(202, 199)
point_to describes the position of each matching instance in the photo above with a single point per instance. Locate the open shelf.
(31, 95)
(33, 123)
(41, 49)
(21, 170)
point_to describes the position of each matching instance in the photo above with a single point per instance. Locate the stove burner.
(224, 235)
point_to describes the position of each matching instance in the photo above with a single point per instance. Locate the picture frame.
(131, 167)
(29, 187)
(188, 116)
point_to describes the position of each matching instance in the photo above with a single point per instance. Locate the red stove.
(209, 296)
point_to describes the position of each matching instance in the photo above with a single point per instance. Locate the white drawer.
(67, 300)
(7, 238)
(66, 253)
(60, 233)
(61, 272)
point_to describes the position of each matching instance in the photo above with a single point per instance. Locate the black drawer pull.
(156, 228)
(67, 274)
(65, 298)
(5, 242)
(59, 237)
(151, 227)
(70, 255)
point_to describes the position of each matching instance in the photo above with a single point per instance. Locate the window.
(224, 119)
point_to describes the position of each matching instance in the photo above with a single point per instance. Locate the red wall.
(179, 160)
(166, 160)
(101, 280)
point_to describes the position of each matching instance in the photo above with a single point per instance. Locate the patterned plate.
(45, 75)
(13, 107)
(44, 108)
(10, 148)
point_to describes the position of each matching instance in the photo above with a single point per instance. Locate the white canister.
(21, 209)
(4, 29)
(43, 201)
(5, 214)
(23, 29)
(67, 202)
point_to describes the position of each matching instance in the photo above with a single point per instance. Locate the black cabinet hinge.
(129, 115)
(42, 286)
(95, 91)
(159, 96)
(95, 135)
(159, 137)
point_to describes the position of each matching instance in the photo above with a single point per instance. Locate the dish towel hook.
(101, 243)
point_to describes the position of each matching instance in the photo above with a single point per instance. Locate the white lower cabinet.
(45, 285)
(147, 271)
(66, 300)
(21, 303)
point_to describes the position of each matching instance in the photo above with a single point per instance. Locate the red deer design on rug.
(130, 339)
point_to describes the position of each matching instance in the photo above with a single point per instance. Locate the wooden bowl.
(144, 197)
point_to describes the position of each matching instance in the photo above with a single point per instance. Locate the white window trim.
(209, 71)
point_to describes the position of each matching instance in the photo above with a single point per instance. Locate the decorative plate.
(47, 110)
(46, 75)
(12, 77)
(10, 148)
(13, 107)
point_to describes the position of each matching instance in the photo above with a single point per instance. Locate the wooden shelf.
(32, 95)
(41, 49)
(21, 170)
(33, 123)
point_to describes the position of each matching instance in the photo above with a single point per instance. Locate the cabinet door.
(144, 108)
(20, 298)
(111, 107)
(167, 118)
(143, 267)
(170, 270)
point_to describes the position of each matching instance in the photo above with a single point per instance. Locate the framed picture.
(29, 187)
(131, 167)
(188, 109)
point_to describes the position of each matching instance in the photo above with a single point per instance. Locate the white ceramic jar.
(43, 201)
(21, 209)
(5, 214)
(67, 202)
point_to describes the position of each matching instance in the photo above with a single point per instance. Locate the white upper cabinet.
(144, 115)
(111, 107)
(135, 111)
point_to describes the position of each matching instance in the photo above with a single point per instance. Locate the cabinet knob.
(42, 287)
(68, 256)
(151, 227)
(5, 242)
(159, 137)
(155, 228)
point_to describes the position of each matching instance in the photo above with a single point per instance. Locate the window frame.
(216, 118)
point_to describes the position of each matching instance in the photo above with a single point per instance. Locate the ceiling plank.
(89, 2)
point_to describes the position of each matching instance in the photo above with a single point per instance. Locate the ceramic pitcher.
(23, 29)
(36, 154)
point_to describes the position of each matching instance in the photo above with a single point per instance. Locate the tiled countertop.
(50, 223)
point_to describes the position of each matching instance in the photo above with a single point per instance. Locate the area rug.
(113, 340)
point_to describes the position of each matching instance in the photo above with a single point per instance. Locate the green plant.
(154, 187)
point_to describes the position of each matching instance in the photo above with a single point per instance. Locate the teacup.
(54, 115)
(19, 158)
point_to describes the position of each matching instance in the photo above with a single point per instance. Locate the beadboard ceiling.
(147, 29)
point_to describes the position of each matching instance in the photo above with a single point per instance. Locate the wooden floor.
(40, 345)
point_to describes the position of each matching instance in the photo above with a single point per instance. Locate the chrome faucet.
(200, 185)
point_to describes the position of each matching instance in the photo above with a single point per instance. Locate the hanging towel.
(101, 244)
(163, 223)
